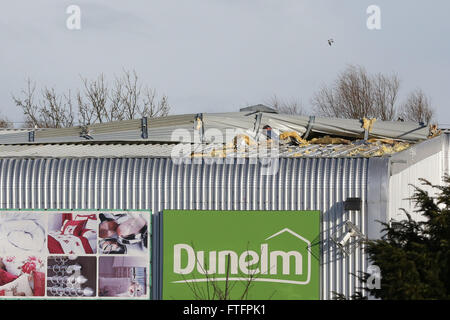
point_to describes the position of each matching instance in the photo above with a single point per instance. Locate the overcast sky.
(213, 56)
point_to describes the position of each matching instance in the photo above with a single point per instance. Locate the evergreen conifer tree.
(413, 256)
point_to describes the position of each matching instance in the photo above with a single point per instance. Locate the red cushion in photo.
(6, 277)
(74, 227)
(39, 284)
(2, 292)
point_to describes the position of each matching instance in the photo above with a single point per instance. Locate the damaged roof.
(142, 149)
(252, 132)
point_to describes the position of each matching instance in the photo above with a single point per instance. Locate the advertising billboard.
(241, 255)
(75, 254)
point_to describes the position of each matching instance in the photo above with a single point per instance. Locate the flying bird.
(330, 42)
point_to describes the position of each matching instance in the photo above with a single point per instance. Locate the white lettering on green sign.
(248, 262)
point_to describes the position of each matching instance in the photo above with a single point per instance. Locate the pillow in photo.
(91, 220)
(39, 284)
(33, 264)
(89, 234)
(23, 286)
(74, 227)
(65, 217)
(20, 286)
(6, 277)
(13, 265)
(64, 225)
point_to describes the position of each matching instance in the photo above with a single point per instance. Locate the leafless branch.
(96, 102)
(292, 107)
(356, 94)
(417, 107)
(27, 104)
(96, 93)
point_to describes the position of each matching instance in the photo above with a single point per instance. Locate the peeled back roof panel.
(185, 128)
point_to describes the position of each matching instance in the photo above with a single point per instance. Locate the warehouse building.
(354, 172)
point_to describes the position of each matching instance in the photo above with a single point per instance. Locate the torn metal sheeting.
(223, 127)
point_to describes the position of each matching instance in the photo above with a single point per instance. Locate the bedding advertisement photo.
(72, 233)
(22, 252)
(81, 254)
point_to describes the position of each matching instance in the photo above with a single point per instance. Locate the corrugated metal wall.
(158, 183)
(433, 168)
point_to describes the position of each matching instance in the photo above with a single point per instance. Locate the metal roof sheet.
(137, 150)
(184, 128)
(217, 135)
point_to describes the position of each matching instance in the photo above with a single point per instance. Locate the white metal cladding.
(428, 160)
(401, 185)
(157, 183)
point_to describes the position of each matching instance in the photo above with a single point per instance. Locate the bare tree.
(50, 111)
(131, 94)
(96, 102)
(5, 123)
(385, 92)
(127, 99)
(356, 94)
(96, 108)
(133, 98)
(27, 103)
(292, 107)
(152, 107)
(417, 107)
(56, 110)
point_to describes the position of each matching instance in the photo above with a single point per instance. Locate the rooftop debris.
(368, 123)
(329, 140)
(434, 131)
(292, 145)
(377, 140)
(251, 132)
(390, 149)
(293, 137)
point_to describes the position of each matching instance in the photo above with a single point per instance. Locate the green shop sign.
(241, 254)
